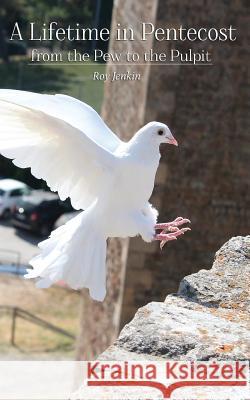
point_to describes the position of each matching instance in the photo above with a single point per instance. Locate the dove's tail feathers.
(75, 253)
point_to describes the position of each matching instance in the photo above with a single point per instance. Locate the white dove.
(65, 142)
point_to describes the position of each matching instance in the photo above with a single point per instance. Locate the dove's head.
(158, 133)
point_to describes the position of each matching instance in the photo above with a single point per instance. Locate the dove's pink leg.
(172, 228)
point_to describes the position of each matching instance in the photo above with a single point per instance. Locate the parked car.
(64, 218)
(39, 212)
(11, 191)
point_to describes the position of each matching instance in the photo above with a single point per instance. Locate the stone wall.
(204, 179)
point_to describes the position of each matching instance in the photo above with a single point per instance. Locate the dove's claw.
(170, 230)
(177, 222)
(165, 237)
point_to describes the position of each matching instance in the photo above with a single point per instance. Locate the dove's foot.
(172, 229)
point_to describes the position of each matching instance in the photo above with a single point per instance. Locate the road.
(12, 240)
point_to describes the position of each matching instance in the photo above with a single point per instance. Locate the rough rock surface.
(209, 317)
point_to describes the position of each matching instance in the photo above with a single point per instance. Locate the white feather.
(68, 109)
(69, 161)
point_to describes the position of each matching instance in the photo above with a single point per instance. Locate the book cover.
(128, 127)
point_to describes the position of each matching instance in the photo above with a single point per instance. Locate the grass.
(74, 80)
(55, 305)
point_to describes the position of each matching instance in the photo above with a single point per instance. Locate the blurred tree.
(3, 44)
(10, 11)
(105, 20)
(11, 8)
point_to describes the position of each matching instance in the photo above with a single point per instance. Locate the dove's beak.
(173, 141)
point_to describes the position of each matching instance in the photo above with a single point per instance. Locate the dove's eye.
(160, 132)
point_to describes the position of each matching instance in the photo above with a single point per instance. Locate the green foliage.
(65, 12)
(8, 7)
(68, 11)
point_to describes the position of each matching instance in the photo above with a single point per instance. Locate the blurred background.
(205, 179)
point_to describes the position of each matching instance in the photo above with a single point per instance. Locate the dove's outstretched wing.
(62, 154)
(68, 109)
